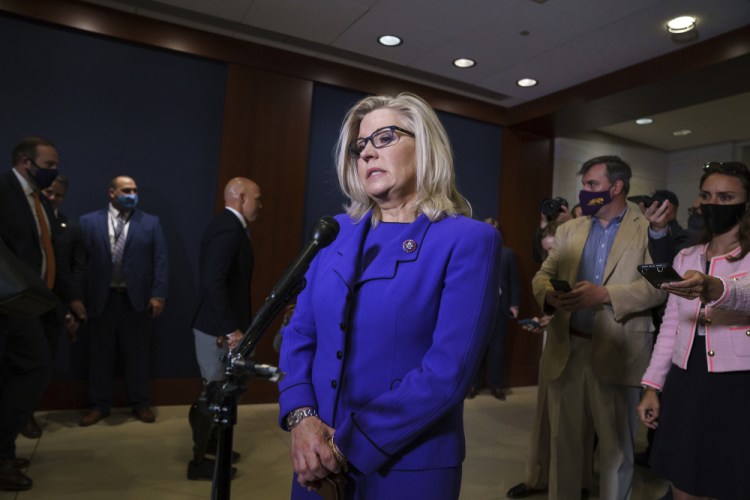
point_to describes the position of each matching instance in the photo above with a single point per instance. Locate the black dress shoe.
(32, 429)
(21, 463)
(499, 394)
(11, 478)
(203, 470)
(522, 490)
(92, 417)
(472, 393)
(144, 414)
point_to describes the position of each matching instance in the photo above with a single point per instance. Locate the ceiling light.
(464, 63)
(681, 24)
(526, 82)
(644, 121)
(681, 133)
(389, 40)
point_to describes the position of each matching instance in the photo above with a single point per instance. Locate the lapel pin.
(409, 246)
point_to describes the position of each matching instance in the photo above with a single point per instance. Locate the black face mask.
(721, 218)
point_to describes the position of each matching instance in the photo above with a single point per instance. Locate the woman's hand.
(648, 409)
(696, 285)
(312, 457)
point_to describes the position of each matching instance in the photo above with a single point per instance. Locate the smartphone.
(646, 200)
(560, 285)
(657, 274)
(529, 321)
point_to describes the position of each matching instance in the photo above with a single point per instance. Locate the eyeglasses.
(729, 167)
(381, 138)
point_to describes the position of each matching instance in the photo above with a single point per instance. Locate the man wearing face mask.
(27, 229)
(126, 287)
(599, 340)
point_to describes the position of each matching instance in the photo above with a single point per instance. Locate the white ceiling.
(561, 43)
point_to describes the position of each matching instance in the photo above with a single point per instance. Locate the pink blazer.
(727, 331)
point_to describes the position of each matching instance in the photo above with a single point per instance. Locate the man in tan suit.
(599, 342)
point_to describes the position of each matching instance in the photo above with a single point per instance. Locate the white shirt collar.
(239, 216)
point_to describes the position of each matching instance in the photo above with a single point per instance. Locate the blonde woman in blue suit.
(397, 311)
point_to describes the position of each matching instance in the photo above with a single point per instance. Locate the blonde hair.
(437, 195)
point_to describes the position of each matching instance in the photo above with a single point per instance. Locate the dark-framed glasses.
(728, 167)
(381, 138)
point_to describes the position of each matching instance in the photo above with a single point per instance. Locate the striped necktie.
(46, 237)
(118, 276)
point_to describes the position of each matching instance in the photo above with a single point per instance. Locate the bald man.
(223, 311)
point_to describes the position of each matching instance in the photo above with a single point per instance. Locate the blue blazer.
(387, 357)
(145, 262)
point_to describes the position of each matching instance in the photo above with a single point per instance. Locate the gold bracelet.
(340, 458)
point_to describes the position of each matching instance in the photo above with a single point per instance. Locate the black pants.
(25, 368)
(119, 328)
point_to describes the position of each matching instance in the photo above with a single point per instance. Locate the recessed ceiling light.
(683, 132)
(389, 40)
(681, 24)
(463, 62)
(526, 82)
(644, 121)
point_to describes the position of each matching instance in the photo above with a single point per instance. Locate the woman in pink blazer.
(701, 361)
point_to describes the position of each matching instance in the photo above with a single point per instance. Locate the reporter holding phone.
(599, 340)
(701, 361)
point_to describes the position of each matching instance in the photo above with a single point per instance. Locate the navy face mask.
(44, 177)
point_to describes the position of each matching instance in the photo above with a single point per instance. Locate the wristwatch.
(298, 415)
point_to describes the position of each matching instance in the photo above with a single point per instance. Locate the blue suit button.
(333, 384)
(339, 355)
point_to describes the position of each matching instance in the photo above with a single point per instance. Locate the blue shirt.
(593, 262)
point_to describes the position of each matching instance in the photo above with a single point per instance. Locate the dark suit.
(226, 268)
(25, 343)
(119, 319)
(510, 290)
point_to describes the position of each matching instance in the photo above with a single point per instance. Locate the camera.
(551, 207)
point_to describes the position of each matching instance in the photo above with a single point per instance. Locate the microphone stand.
(239, 369)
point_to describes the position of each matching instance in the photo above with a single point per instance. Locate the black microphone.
(291, 283)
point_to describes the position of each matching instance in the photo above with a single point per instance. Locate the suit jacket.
(509, 283)
(226, 269)
(622, 340)
(387, 355)
(17, 224)
(727, 331)
(71, 261)
(145, 262)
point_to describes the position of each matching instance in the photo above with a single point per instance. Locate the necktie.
(117, 274)
(46, 238)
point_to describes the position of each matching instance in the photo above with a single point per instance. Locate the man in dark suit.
(27, 229)
(510, 297)
(126, 286)
(69, 264)
(223, 311)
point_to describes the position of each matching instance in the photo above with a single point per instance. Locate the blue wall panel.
(116, 108)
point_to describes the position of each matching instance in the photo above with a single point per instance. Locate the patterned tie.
(117, 274)
(46, 237)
